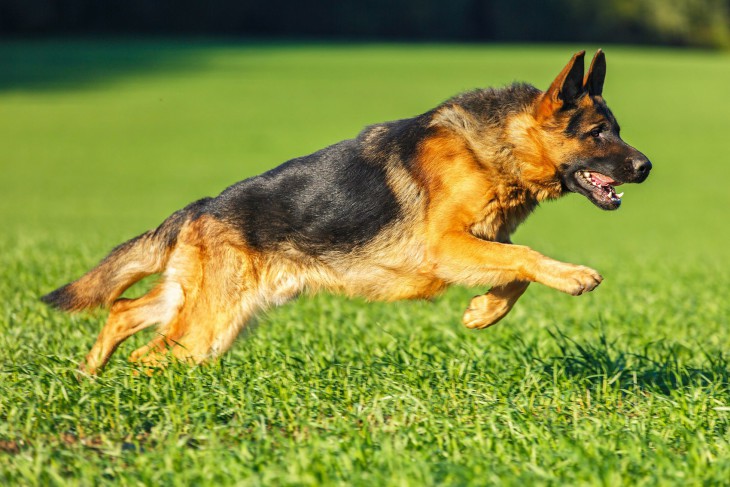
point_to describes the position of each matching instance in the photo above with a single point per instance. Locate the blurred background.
(676, 22)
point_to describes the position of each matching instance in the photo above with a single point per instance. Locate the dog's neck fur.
(500, 129)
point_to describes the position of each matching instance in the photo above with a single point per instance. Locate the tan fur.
(145, 257)
(465, 194)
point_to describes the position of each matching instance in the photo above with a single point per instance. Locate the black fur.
(603, 110)
(494, 105)
(399, 137)
(62, 298)
(597, 75)
(573, 85)
(333, 200)
(574, 125)
(609, 156)
(170, 228)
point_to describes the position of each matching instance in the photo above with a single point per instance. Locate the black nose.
(642, 166)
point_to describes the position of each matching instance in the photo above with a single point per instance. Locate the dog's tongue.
(603, 180)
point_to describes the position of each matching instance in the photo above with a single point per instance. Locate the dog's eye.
(595, 132)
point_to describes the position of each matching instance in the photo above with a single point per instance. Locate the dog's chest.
(502, 214)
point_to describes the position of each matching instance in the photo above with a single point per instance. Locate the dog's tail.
(141, 256)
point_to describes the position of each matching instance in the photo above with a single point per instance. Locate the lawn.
(626, 385)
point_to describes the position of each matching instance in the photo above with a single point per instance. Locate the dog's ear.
(565, 89)
(569, 83)
(596, 74)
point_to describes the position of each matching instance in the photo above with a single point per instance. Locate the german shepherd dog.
(402, 211)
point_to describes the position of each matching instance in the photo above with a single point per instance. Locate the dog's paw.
(86, 370)
(570, 278)
(484, 311)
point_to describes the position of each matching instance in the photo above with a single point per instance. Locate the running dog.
(402, 211)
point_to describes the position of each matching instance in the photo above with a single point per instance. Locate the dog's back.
(330, 201)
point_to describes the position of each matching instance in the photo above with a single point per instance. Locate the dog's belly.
(388, 284)
(421, 287)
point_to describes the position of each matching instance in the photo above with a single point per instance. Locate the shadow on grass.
(41, 65)
(659, 367)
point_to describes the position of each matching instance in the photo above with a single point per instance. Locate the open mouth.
(599, 188)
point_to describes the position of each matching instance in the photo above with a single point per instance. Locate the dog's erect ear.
(566, 89)
(569, 83)
(596, 74)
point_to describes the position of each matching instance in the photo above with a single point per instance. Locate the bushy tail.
(128, 263)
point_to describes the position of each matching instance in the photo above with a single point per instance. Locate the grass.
(626, 385)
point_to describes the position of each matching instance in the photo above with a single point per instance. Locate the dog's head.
(582, 137)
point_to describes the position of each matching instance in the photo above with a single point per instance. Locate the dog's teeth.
(619, 195)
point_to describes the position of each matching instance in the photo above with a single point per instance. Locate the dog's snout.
(641, 166)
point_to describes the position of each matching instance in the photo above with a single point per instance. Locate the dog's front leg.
(463, 258)
(487, 309)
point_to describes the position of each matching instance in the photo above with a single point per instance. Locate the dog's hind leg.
(487, 309)
(194, 340)
(230, 300)
(213, 331)
(127, 317)
(205, 327)
(225, 284)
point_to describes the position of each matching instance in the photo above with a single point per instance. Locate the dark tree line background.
(676, 22)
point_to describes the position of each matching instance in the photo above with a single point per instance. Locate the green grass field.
(627, 385)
